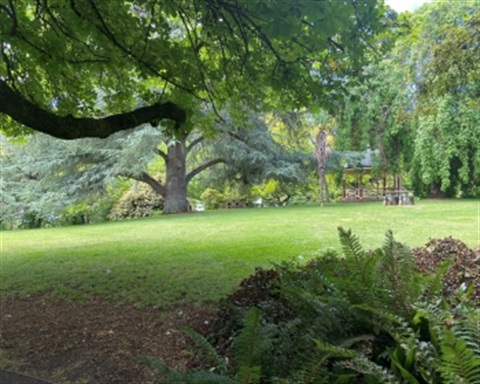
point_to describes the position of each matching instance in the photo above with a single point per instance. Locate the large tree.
(77, 169)
(376, 114)
(447, 77)
(58, 58)
(419, 105)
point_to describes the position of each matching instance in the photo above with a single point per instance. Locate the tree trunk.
(326, 190)
(176, 183)
(174, 190)
(324, 193)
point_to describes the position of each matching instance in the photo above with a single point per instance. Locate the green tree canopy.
(61, 59)
(57, 173)
(419, 106)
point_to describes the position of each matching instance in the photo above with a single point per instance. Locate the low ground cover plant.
(391, 315)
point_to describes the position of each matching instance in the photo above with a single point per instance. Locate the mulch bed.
(9, 377)
(97, 342)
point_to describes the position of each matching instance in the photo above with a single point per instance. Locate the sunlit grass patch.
(171, 259)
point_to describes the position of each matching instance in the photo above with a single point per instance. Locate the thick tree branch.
(162, 154)
(146, 178)
(21, 110)
(202, 167)
(195, 142)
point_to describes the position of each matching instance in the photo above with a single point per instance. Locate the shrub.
(75, 214)
(31, 219)
(139, 201)
(212, 198)
(355, 317)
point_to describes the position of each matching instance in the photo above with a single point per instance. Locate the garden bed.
(96, 342)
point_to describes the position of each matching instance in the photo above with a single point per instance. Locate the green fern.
(442, 347)
(376, 372)
(459, 363)
(211, 358)
(353, 361)
(350, 244)
(459, 343)
(206, 377)
(366, 318)
(432, 284)
(397, 267)
(249, 374)
(250, 346)
(173, 376)
(216, 373)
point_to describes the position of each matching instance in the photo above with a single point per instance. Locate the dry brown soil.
(97, 342)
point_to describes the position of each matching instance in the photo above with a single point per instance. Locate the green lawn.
(162, 261)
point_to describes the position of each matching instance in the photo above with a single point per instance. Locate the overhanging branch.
(162, 154)
(195, 142)
(146, 178)
(202, 167)
(21, 110)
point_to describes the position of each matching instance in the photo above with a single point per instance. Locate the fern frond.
(247, 342)
(460, 346)
(467, 328)
(155, 363)
(433, 283)
(395, 325)
(249, 374)
(453, 349)
(317, 371)
(210, 355)
(459, 363)
(396, 271)
(206, 377)
(367, 367)
(331, 350)
(350, 244)
(252, 346)
(347, 343)
(172, 376)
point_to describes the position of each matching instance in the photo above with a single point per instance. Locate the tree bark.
(174, 190)
(176, 183)
(23, 111)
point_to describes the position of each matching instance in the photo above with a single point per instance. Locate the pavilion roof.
(360, 159)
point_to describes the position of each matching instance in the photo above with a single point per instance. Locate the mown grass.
(201, 257)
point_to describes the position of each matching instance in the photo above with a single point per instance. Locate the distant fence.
(389, 196)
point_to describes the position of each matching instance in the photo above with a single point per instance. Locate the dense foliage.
(415, 107)
(78, 169)
(59, 59)
(419, 105)
(358, 317)
(139, 201)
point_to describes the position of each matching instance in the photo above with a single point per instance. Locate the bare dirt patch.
(96, 342)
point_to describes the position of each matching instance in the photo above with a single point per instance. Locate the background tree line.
(413, 95)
